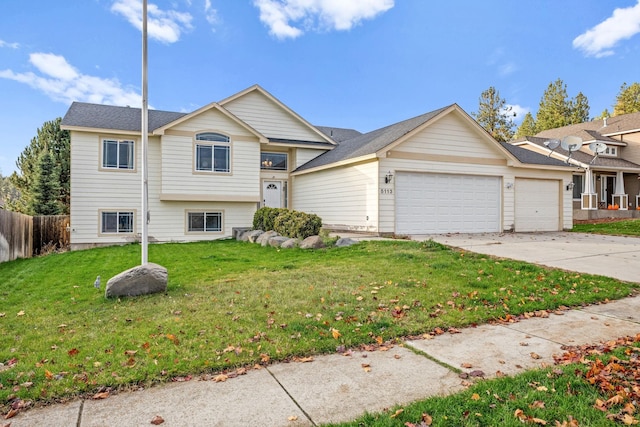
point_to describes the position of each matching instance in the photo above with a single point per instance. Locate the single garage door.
(438, 203)
(537, 205)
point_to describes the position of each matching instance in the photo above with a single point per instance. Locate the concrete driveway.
(611, 256)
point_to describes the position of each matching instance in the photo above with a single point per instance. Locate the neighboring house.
(601, 180)
(210, 170)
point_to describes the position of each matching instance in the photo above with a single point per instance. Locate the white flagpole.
(145, 141)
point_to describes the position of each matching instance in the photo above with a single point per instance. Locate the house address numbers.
(386, 191)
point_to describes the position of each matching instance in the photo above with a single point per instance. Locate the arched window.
(212, 152)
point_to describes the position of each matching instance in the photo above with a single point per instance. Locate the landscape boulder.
(141, 280)
(251, 236)
(312, 242)
(264, 237)
(345, 241)
(290, 243)
(277, 241)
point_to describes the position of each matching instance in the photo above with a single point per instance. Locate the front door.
(272, 194)
(609, 188)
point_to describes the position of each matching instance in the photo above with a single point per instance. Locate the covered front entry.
(537, 205)
(429, 203)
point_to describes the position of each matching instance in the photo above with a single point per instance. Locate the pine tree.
(627, 100)
(554, 109)
(494, 115)
(46, 189)
(48, 138)
(527, 127)
(579, 109)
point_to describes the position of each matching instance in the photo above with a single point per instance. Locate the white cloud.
(519, 112)
(599, 41)
(9, 45)
(60, 81)
(164, 26)
(284, 17)
(507, 69)
(210, 13)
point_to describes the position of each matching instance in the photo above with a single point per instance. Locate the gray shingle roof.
(596, 128)
(371, 142)
(531, 157)
(81, 114)
(338, 134)
(586, 158)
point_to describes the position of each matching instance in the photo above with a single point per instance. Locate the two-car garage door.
(429, 203)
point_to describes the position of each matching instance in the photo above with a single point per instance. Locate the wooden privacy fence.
(22, 236)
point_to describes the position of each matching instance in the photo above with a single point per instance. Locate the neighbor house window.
(578, 187)
(273, 161)
(204, 221)
(212, 152)
(117, 222)
(117, 154)
(611, 151)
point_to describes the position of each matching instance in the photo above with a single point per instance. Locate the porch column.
(589, 199)
(619, 197)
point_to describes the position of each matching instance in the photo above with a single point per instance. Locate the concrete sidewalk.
(341, 387)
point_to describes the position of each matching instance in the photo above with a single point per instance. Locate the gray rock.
(251, 236)
(141, 280)
(238, 232)
(277, 241)
(264, 237)
(312, 242)
(345, 241)
(290, 243)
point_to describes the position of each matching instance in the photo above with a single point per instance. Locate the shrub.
(287, 223)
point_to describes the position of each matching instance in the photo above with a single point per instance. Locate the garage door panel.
(439, 203)
(537, 205)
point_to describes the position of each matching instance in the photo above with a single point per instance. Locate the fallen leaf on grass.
(157, 420)
(20, 313)
(475, 396)
(73, 352)
(335, 333)
(398, 412)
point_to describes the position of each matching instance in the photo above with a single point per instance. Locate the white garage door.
(537, 205)
(438, 203)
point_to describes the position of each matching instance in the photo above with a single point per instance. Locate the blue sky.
(361, 64)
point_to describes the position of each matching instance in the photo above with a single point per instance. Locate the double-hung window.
(204, 221)
(212, 152)
(117, 222)
(117, 154)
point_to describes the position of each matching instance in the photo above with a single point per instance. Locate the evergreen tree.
(579, 109)
(8, 193)
(605, 114)
(627, 100)
(554, 109)
(527, 127)
(494, 115)
(46, 188)
(56, 141)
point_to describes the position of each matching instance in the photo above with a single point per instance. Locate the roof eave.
(360, 159)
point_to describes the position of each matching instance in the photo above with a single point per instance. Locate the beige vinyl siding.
(345, 198)
(303, 155)
(178, 165)
(94, 190)
(632, 151)
(270, 119)
(450, 136)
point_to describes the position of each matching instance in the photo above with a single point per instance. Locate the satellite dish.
(552, 144)
(571, 143)
(598, 147)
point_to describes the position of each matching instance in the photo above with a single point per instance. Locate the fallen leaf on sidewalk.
(535, 355)
(366, 367)
(293, 418)
(157, 420)
(99, 396)
(220, 378)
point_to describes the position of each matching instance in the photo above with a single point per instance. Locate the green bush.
(287, 222)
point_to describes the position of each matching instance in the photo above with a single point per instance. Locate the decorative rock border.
(273, 239)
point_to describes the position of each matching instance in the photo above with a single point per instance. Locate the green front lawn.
(629, 227)
(231, 304)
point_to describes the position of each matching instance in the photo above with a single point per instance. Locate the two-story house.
(209, 170)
